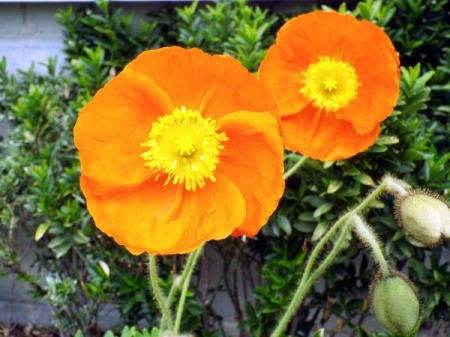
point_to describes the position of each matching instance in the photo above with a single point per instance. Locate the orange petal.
(304, 39)
(377, 66)
(167, 219)
(253, 160)
(282, 76)
(315, 134)
(111, 127)
(300, 42)
(213, 85)
(211, 213)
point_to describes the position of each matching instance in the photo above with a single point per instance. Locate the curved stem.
(305, 281)
(294, 168)
(393, 186)
(175, 287)
(370, 239)
(338, 224)
(154, 283)
(331, 255)
(189, 269)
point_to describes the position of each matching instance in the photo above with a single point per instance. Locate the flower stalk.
(393, 186)
(154, 285)
(176, 285)
(370, 239)
(294, 168)
(308, 279)
(190, 266)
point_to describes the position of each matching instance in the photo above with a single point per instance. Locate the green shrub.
(40, 195)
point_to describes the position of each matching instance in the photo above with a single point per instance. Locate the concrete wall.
(28, 33)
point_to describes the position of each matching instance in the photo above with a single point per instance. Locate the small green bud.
(395, 302)
(424, 216)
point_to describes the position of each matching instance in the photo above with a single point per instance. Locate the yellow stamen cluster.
(330, 84)
(185, 147)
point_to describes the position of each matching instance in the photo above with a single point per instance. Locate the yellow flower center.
(184, 146)
(330, 84)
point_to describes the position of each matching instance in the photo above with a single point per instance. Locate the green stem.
(338, 224)
(154, 283)
(394, 187)
(367, 236)
(331, 255)
(294, 168)
(305, 281)
(189, 269)
(175, 287)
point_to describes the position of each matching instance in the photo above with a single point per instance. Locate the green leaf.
(319, 231)
(57, 242)
(322, 209)
(104, 267)
(365, 179)
(319, 333)
(41, 230)
(154, 332)
(284, 224)
(305, 227)
(334, 186)
(387, 140)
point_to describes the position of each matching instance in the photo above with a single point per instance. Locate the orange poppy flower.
(180, 148)
(334, 79)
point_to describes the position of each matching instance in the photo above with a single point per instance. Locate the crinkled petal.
(315, 134)
(377, 66)
(211, 213)
(167, 219)
(214, 85)
(306, 38)
(253, 160)
(110, 129)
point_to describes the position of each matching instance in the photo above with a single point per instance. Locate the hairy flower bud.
(395, 302)
(424, 216)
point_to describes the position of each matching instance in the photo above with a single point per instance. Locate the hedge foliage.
(87, 274)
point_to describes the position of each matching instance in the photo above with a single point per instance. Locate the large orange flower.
(180, 148)
(334, 79)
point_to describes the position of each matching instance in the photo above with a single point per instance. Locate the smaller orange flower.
(335, 79)
(180, 148)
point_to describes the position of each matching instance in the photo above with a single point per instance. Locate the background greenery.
(85, 270)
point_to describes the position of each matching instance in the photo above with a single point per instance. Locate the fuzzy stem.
(175, 287)
(189, 269)
(338, 224)
(326, 263)
(294, 168)
(368, 237)
(394, 187)
(305, 284)
(154, 284)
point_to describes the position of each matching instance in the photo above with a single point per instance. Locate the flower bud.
(395, 302)
(424, 216)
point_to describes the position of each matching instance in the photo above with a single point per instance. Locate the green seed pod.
(424, 216)
(395, 302)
